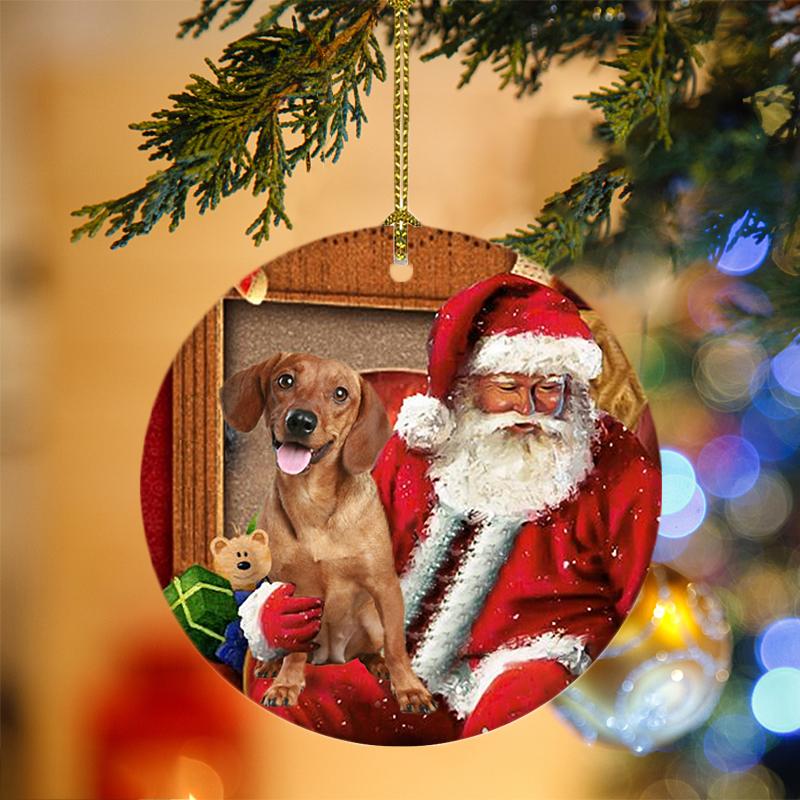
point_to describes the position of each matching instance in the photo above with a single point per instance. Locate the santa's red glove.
(290, 623)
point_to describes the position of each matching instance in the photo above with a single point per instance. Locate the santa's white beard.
(486, 468)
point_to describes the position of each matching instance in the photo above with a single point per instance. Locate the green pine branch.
(518, 39)
(571, 219)
(209, 10)
(280, 96)
(657, 69)
(688, 166)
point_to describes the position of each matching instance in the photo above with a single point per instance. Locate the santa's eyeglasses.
(547, 393)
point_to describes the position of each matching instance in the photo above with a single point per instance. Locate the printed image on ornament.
(392, 526)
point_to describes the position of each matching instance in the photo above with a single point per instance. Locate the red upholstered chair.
(393, 386)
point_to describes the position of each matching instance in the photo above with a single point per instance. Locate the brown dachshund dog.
(327, 529)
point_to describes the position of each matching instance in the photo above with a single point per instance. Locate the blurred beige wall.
(88, 334)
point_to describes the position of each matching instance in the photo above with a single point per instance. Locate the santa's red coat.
(568, 577)
(577, 568)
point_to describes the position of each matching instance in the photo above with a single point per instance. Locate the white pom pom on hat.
(424, 422)
(505, 323)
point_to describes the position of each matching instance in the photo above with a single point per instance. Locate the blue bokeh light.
(687, 520)
(771, 406)
(778, 645)
(678, 481)
(734, 743)
(766, 435)
(667, 549)
(788, 431)
(786, 368)
(767, 393)
(742, 254)
(776, 700)
(728, 466)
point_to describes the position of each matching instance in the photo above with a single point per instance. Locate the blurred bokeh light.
(766, 593)
(786, 367)
(678, 481)
(724, 370)
(728, 466)
(687, 520)
(755, 784)
(734, 742)
(778, 645)
(773, 437)
(705, 554)
(743, 254)
(711, 296)
(776, 700)
(763, 510)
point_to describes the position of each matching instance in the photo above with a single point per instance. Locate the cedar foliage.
(230, 132)
(686, 164)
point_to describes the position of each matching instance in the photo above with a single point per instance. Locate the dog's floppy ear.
(244, 395)
(369, 433)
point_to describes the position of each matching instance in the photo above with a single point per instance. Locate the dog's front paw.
(282, 695)
(376, 665)
(268, 669)
(415, 700)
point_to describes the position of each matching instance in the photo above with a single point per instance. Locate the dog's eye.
(340, 394)
(285, 381)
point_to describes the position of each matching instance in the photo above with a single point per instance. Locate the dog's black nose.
(243, 565)
(300, 422)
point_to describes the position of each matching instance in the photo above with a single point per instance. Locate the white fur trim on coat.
(465, 687)
(441, 528)
(536, 354)
(424, 422)
(249, 613)
(449, 629)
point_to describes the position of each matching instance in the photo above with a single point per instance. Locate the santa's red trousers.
(347, 702)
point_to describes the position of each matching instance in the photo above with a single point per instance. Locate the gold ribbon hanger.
(401, 270)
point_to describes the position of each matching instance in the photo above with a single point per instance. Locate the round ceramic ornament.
(401, 512)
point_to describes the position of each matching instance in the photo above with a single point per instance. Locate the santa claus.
(523, 520)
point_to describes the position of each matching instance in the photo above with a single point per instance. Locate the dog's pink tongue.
(293, 458)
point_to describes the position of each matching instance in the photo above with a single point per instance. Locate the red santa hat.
(504, 324)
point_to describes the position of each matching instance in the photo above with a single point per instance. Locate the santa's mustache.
(487, 467)
(489, 423)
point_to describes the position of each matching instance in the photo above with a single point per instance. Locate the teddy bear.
(244, 560)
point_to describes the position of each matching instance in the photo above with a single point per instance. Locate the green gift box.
(204, 604)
